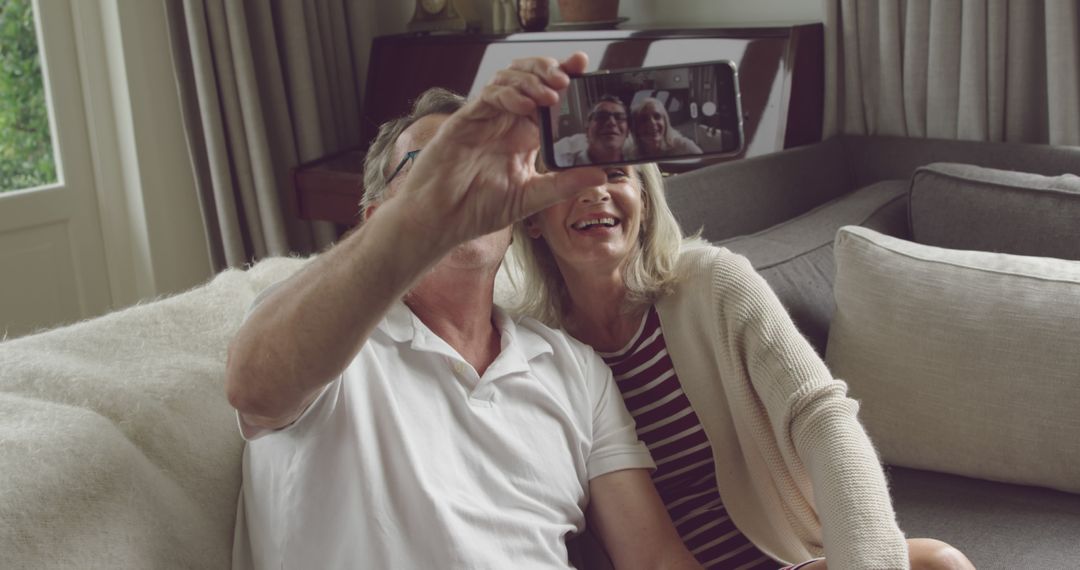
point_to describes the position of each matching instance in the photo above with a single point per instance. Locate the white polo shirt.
(412, 460)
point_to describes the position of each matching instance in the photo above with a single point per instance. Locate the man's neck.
(456, 304)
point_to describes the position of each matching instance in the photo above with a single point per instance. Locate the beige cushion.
(965, 362)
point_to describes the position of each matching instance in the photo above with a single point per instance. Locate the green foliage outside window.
(26, 157)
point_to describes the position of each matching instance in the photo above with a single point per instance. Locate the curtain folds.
(996, 70)
(265, 86)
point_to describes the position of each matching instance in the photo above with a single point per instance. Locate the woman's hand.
(478, 174)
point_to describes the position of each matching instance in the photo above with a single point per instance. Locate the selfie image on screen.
(647, 114)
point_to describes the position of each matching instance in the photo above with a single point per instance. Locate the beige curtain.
(265, 85)
(998, 70)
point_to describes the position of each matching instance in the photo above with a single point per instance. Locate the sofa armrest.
(746, 196)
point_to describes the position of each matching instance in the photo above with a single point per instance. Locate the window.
(26, 150)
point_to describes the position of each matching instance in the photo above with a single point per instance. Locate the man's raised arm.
(308, 329)
(476, 175)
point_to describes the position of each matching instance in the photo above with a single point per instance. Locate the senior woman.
(759, 453)
(653, 134)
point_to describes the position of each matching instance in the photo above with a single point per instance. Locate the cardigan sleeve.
(810, 428)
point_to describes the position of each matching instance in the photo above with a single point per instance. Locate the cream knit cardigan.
(794, 467)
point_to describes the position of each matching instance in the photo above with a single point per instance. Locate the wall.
(155, 240)
(392, 17)
(674, 13)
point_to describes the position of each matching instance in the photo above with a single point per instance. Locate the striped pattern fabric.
(685, 474)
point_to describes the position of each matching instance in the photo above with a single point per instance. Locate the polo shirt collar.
(519, 344)
(398, 322)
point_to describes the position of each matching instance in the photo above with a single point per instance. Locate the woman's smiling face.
(651, 123)
(597, 229)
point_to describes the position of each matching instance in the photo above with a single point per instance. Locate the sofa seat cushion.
(796, 257)
(118, 448)
(964, 361)
(960, 206)
(997, 525)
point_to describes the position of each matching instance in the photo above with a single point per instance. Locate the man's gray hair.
(604, 99)
(434, 101)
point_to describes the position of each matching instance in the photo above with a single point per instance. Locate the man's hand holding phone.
(495, 140)
(649, 114)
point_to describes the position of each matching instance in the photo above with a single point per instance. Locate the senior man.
(606, 132)
(396, 418)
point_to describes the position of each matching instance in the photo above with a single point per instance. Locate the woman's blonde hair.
(649, 272)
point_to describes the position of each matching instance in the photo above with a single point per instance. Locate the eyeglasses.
(408, 156)
(603, 116)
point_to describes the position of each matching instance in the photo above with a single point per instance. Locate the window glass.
(26, 153)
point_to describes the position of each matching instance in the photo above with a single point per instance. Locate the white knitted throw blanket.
(118, 448)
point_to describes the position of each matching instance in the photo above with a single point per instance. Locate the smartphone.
(648, 114)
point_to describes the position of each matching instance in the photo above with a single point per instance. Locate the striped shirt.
(685, 475)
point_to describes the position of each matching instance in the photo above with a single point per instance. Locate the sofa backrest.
(741, 197)
(782, 210)
(874, 158)
(959, 206)
(796, 256)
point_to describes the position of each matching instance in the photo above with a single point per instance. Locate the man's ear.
(532, 227)
(369, 211)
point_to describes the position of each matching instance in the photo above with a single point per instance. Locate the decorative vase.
(533, 14)
(588, 10)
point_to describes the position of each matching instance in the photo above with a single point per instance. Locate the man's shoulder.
(580, 157)
(562, 363)
(573, 156)
(531, 330)
(567, 353)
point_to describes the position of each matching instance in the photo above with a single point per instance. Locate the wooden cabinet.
(781, 77)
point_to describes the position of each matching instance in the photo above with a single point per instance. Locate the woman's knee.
(931, 554)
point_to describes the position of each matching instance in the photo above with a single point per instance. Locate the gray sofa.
(783, 212)
(119, 450)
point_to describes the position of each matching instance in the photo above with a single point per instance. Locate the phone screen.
(645, 115)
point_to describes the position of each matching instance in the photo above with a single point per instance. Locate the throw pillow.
(795, 257)
(960, 206)
(965, 362)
